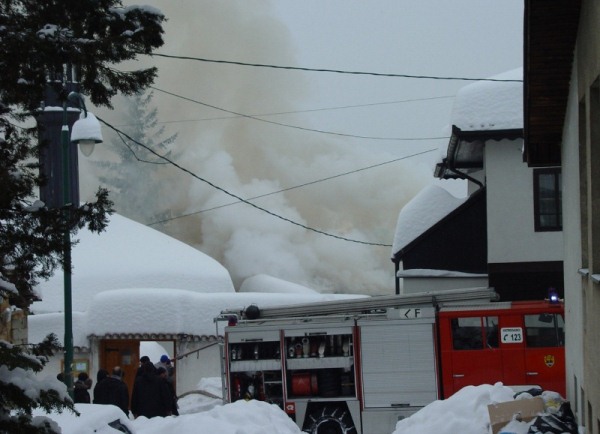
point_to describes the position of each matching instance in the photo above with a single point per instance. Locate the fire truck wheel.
(331, 420)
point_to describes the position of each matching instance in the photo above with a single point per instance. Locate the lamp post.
(85, 131)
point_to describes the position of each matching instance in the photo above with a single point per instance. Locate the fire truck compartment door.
(398, 363)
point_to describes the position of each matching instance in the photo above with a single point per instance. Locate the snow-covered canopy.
(427, 208)
(131, 255)
(159, 311)
(490, 105)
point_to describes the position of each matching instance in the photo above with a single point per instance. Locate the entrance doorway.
(123, 353)
(126, 353)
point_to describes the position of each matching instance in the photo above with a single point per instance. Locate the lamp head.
(87, 132)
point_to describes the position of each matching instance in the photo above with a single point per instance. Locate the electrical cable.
(295, 126)
(300, 111)
(134, 154)
(336, 71)
(292, 188)
(189, 172)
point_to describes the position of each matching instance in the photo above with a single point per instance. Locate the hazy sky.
(248, 157)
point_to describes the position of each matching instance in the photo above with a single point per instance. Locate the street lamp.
(85, 131)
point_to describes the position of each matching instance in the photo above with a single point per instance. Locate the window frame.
(557, 193)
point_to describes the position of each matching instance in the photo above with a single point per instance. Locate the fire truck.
(360, 365)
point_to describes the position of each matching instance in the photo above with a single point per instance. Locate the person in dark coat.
(150, 396)
(101, 375)
(144, 360)
(162, 373)
(113, 390)
(81, 388)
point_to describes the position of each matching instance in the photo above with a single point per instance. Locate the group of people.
(153, 391)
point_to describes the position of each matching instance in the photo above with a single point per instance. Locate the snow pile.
(464, 412)
(196, 402)
(248, 417)
(93, 419)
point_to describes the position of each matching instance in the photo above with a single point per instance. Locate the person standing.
(143, 361)
(162, 373)
(113, 390)
(165, 362)
(150, 396)
(101, 375)
(81, 388)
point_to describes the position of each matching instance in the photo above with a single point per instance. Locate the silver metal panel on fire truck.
(239, 335)
(318, 328)
(398, 363)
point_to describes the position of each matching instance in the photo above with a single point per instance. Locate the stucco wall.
(510, 208)
(196, 365)
(587, 296)
(572, 253)
(423, 284)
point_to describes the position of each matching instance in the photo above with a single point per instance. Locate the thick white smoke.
(251, 158)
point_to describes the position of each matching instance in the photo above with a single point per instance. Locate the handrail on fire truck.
(370, 304)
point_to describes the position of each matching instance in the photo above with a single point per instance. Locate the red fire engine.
(360, 365)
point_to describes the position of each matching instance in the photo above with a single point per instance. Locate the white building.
(507, 234)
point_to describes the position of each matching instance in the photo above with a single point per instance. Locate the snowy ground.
(465, 412)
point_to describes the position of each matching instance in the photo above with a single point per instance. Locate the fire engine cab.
(360, 365)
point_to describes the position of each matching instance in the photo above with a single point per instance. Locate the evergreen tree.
(38, 38)
(138, 174)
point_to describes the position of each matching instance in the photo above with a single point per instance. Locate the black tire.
(329, 419)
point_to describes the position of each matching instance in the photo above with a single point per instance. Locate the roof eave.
(550, 33)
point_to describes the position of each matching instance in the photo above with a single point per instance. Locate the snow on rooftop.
(427, 208)
(160, 310)
(134, 279)
(129, 254)
(266, 283)
(490, 105)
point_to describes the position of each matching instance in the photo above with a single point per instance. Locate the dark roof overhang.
(550, 32)
(471, 200)
(465, 150)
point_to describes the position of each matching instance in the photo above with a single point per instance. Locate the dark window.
(545, 330)
(547, 193)
(471, 333)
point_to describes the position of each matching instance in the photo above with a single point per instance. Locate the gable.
(458, 242)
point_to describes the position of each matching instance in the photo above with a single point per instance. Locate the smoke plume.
(251, 158)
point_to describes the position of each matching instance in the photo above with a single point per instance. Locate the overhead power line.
(336, 71)
(189, 172)
(283, 190)
(301, 111)
(295, 126)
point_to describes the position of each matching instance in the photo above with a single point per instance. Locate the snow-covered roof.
(133, 280)
(428, 207)
(490, 105)
(266, 283)
(131, 255)
(148, 311)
